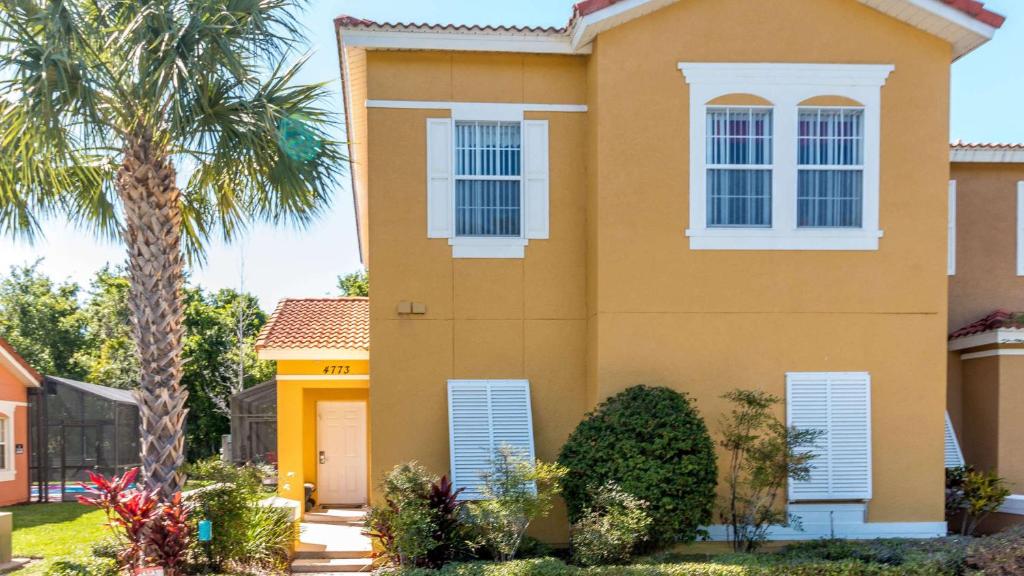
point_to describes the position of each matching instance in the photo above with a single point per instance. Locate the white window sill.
(767, 239)
(505, 248)
(7, 475)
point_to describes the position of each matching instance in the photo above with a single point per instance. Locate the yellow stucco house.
(698, 194)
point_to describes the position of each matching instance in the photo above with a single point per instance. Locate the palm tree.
(102, 102)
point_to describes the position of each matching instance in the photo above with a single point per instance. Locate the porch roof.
(317, 324)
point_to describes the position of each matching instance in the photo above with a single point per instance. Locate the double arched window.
(784, 156)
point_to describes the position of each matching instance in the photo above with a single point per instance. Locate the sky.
(988, 86)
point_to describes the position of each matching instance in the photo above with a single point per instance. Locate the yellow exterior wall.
(986, 242)
(616, 297)
(297, 422)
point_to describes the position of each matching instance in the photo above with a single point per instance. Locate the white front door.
(341, 453)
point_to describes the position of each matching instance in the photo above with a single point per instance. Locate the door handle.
(323, 457)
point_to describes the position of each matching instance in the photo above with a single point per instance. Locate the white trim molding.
(951, 231)
(1020, 228)
(8, 410)
(1014, 504)
(311, 354)
(786, 86)
(849, 521)
(315, 378)
(993, 353)
(995, 154)
(500, 248)
(1003, 336)
(460, 40)
(496, 111)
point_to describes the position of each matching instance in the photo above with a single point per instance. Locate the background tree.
(41, 320)
(355, 283)
(109, 357)
(103, 101)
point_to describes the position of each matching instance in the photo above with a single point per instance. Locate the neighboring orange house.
(986, 311)
(698, 194)
(16, 377)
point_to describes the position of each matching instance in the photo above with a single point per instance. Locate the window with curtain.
(4, 444)
(488, 179)
(739, 167)
(830, 154)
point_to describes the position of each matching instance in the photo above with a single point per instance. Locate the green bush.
(974, 495)
(551, 567)
(227, 507)
(248, 478)
(997, 555)
(87, 566)
(653, 444)
(515, 492)
(610, 532)
(269, 535)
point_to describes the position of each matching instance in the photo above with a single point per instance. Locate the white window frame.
(951, 232)
(534, 178)
(1020, 228)
(521, 178)
(785, 86)
(8, 411)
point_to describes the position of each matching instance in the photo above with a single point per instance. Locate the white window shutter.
(439, 178)
(536, 178)
(954, 456)
(951, 231)
(839, 405)
(484, 415)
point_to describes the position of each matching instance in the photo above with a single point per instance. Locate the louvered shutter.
(483, 416)
(954, 457)
(439, 178)
(536, 178)
(839, 405)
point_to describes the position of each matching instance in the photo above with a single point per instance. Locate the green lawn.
(54, 532)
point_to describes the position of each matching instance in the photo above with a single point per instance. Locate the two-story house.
(986, 312)
(697, 194)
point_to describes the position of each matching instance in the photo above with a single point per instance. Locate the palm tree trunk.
(152, 214)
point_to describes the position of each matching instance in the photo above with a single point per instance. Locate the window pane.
(488, 149)
(739, 136)
(831, 137)
(740, 198)
(830, 199)
(487, 208)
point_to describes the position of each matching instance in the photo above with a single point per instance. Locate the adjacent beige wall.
(616, 297)
(986, 242)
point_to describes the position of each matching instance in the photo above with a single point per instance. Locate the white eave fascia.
(1004, 336)
(964, 32)
(460, 41)
(992, 155)
(588, 27)
(311, 354)
(26, 377)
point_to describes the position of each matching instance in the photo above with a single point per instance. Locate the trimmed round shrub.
(653, 444)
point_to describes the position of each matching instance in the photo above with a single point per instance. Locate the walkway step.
(329, 554)
(350, 517)
(332, 565)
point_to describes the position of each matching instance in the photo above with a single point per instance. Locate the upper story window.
(739, 167)
(488, 179)
(830, 156)
(784, 156)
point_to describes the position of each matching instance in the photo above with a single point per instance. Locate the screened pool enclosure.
(75, 427)
(254, 424)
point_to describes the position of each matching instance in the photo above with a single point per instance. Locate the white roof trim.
(1004, 336)
(459, 40)
(26, 377)
(312, 354)
(964, 32)
(998, 155)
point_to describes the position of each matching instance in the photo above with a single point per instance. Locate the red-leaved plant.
(150, 532)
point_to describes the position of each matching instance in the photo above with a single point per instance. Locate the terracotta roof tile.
(21, 361)
(961, 145)
(318, 323)
(998, 320)
(976, 9)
